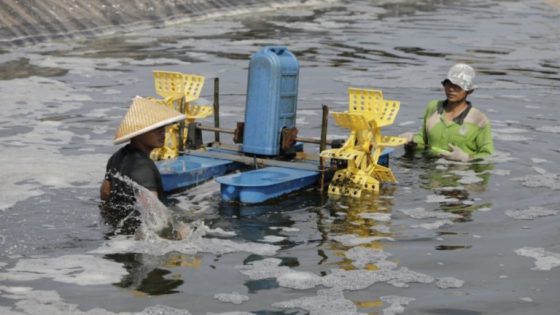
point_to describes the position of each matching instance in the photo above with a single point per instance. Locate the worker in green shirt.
(453, 128)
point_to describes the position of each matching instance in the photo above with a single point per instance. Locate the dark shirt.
(125, 166)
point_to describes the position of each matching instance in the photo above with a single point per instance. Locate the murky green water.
(447, 239)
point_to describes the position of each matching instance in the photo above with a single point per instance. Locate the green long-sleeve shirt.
(470, 131)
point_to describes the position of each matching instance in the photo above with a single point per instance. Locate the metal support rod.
(216, 130)
(232, 131)
(181, 138)
(323, 144)
(312, 140)
(217, 108)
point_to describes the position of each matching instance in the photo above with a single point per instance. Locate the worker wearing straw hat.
(144, 126)
(453, 128)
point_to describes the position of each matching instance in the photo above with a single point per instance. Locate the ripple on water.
(550, 129)
(531, 213)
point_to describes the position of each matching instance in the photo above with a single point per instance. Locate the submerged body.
(130, 168)
(453, 128)
(470, 131)
(127, 166)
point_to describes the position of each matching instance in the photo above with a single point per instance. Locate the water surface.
(447, 239)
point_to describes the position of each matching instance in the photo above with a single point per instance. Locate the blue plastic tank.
(271, 105)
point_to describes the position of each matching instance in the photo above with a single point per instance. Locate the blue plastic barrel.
(271, 105)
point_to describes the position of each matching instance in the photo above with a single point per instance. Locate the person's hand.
(456, 154)
(408, 136)
(180, 231)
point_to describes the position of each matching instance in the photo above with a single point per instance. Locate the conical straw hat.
(145, 115)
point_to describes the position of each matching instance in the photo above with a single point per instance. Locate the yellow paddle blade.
(383, 174)
(198, 112)
(353, 121)
(329, 154)
(364, 101)
(390, 141)
(175, 85)
(371, 104)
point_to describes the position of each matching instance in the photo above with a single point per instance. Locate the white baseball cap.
(462, 75)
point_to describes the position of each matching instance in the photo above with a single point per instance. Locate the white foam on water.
(162, 310)
(381, 217)
(301, 120)
(220, 232)
(549, 129)
(545, 260)
(23, 106)
(298, 280)
(511, 137)
(273, 239)
(34, 158)
(406, 123)
(33, 302)
(156, 62)
(363, 256)
(381, 229)
(88, 67)
(526, 299)
(234, 297)
(449, 282)
(501, 157)
(397, 304)
(326, 302)
(531, 213)
(499, 172)
(228, 313)
(361, 279)
(263, 269)
(353, 240)
(543, 179)
(509, 130)
(285, 229)
(467, 177)
(285, 276)
(439, 198)
(198, 244)
(76, 269)
(538, 160)
(421, 213)
(434, 225)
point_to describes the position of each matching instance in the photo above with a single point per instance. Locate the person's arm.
(421, 138)
(146, 175)
(484, 143)
(105, 190)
